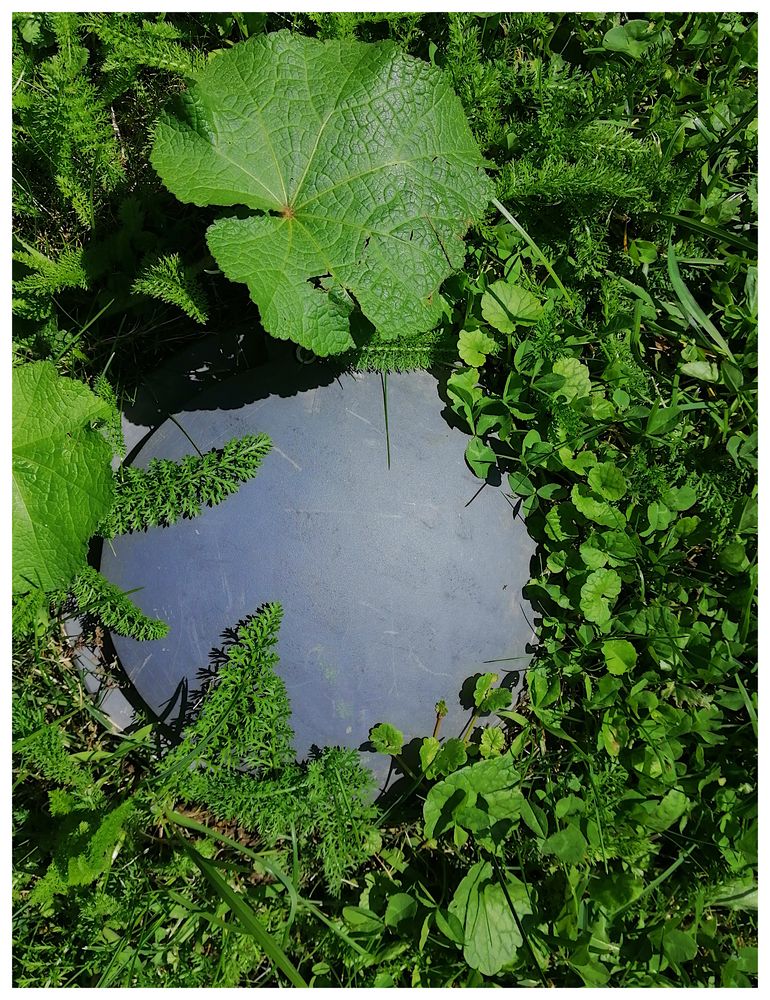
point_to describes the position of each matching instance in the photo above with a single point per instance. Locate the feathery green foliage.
(243, 724)
(166, 490)
(604, 832)
(95, 595)
(237, 760)
(427, 350)
(170, 281)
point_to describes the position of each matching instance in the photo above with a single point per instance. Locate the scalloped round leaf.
(492, 742)
(62, 479)
(450, 757)
(505, 306)
(598, 511)
(473, 347)
(577, 380)
(619, 655)
(386, 738)
(360, 172)
(598, 595)
(607, 480)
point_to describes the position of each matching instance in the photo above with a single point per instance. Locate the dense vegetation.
(600, 343)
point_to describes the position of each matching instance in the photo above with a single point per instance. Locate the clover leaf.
(62, 480)
(359, 172)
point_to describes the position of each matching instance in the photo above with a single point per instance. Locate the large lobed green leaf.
(360, 172)
(62, 481)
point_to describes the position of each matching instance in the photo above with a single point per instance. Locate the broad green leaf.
(474, 346)
(680, 497)
(62, 480)
(598, 595)
(569, 845)
(479, 457)
(386, 738)
(490, 931)
(615, 890)
(598, 511)
(483, 685)
(492, 742)
(738, 894)
(593, 557)
(660, 814)
(401, 906)
(360, 919)
(577, 381)
(496, 699)
(358, 170)
(450, 756)
(495, 780)
(463, 390)
(450, 926)
(505, 306)
(659, 517)
(607, 480)
(429, 749)
(705, 371)
(580, 463)
(678, 946)
(631, 38)
(733, 557)
(619, 655)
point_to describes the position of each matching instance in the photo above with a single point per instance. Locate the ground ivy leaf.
(607, 480)
(386, 738)
(577, 381)
(619, 655)
(598, 511)
(473, 347)
(491, 933)
(62, 480)
(505, 306)
(492, 742)
(360, 172)
(451, 756)
(598, 595)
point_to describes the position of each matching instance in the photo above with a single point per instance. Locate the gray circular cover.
(397, 583)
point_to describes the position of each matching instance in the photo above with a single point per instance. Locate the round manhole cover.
(398, 575)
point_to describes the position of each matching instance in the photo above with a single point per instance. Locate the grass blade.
(534, 247)
(247, 918)
(692, 311)
(713, 231)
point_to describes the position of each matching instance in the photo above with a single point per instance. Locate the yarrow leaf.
(360, 172)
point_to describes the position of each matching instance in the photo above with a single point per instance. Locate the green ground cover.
(598, 335)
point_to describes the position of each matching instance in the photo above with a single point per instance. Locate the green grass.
(610, 836)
